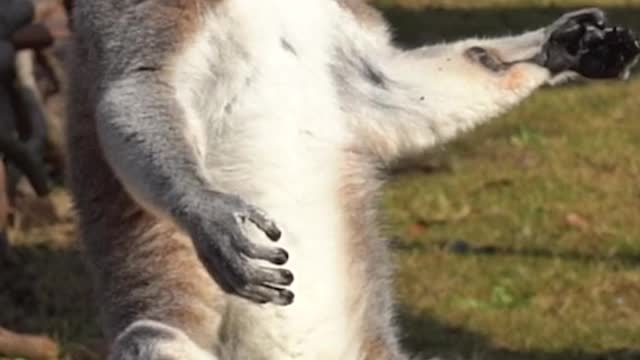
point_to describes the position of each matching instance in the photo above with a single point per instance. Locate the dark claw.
(278, 277)
(265, 224)
(287, 297)
(288, 277)
(267, 294)
(281, 258)
(284, 297)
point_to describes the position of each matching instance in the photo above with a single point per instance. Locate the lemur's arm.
(149, 138)
(419, 98)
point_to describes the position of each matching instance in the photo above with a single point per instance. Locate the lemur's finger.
(628, 41)
(265, 293)
(593, 35)
(570, 25)
(593, 16)
(280, 277)
(276, 256)
(264, 223)
(571, 31)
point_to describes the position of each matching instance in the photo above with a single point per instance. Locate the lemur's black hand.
(583, 42)
(608, 53)
(215, 221)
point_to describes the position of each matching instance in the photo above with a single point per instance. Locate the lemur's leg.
(151, 340)
(426, 96)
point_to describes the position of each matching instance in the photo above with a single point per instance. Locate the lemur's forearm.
(454, 91)
(151, 144)
(431, 94)
(145, 140)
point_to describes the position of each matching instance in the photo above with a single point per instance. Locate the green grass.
(524, 243)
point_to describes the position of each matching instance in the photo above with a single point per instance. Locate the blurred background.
(520, 241)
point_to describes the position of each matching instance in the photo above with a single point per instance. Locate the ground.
(520, 241)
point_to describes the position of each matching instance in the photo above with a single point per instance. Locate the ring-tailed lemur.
(202, 131)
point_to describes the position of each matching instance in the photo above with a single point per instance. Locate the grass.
(44, 286)
(523, 243)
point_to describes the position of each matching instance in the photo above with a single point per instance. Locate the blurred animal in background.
(30, 124)
(30, 81)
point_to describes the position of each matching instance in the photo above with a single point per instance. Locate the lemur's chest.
(275, 136)
(288, 50)
(270, 91)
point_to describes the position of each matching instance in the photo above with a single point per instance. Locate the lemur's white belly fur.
(277, 144)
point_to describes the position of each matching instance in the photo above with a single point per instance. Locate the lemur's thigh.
(148, 270)
(152, 340)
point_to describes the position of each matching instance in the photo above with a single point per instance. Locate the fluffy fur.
(201, 131)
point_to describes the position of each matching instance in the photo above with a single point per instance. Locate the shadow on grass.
(463, 248)
(431, 339)
(434, 339)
